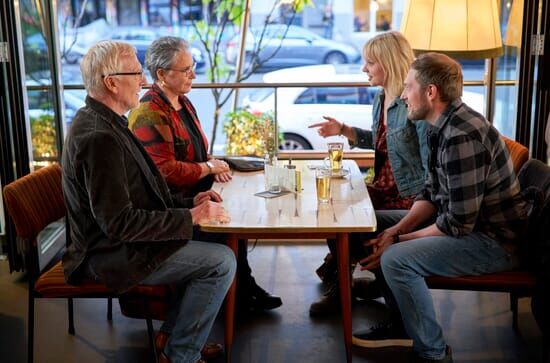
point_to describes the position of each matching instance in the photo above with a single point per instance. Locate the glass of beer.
(335, 155)
(322, 183)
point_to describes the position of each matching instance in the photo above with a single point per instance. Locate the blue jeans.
(202, 273)
(405, 265)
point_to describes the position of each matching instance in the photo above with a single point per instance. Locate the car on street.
(40, 104)
(298, 47)
(299, 107)
(141, 39)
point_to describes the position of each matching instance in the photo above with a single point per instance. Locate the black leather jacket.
(123, 220)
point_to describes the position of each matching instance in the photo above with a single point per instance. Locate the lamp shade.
(515, 21)
(458, 28)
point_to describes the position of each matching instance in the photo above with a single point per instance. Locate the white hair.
(102, 59)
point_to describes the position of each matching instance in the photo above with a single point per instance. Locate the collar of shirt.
(446, 115)
(162, 97)
(105, 111)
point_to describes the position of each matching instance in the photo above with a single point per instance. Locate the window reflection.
(351, 24)
(36, 55)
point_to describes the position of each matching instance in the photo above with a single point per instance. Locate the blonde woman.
(401, 152)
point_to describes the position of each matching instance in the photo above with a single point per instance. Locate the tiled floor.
(477, 325)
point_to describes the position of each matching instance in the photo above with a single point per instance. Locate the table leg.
(230, 304)
(342, 246)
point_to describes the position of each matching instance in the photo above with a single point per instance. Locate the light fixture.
(515, 22)
(458, 28)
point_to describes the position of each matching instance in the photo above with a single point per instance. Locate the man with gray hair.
(125, 228)
(466, 221)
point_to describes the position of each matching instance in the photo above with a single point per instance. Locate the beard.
(420, 112)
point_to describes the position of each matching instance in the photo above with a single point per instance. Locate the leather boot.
(209, 351)
(328, 304)
(252, 297)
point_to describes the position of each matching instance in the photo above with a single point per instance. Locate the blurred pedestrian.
(328, 21)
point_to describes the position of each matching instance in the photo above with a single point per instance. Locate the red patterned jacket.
(163, 134)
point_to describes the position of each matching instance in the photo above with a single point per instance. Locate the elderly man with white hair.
(125, 228)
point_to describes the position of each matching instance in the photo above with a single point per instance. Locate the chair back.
(33, 202)
(535, 173)
(518, 153)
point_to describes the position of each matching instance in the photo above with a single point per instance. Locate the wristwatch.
(210, 167)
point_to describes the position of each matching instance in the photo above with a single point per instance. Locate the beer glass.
(322, 184)
(335, 155)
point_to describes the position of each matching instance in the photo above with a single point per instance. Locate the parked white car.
(299, 107)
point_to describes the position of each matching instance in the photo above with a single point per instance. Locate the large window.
(331, 33)
(40, 95)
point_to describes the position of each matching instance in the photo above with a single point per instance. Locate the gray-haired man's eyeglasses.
(140, 73)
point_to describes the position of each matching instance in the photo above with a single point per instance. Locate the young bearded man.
(465, 221)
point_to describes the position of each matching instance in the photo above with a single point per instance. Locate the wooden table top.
(350, 208)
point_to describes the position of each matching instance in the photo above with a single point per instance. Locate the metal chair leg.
(151, 334)
(110, 308)
(545, 348)
(514, 307)
(30, 328)
(71, 315)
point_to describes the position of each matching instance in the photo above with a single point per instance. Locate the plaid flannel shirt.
(471, 177)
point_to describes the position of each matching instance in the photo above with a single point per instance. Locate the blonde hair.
(102, 59)
(395, 55)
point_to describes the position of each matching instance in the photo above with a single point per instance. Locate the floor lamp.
(467, 29)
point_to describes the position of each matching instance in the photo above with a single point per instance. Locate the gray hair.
(162, 52)
(102, 59)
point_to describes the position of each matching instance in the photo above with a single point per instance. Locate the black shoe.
(260, 299)
(327, 271)
(366, 289)
(328, 304)
(415, 358)
(385, 334)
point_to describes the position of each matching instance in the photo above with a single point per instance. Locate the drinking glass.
(322, 184)
(335, 155)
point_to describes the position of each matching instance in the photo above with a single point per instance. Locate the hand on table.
(222, 177)
(219, 166)
(209, 212)
(205, 196)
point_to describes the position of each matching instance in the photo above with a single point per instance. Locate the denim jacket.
(407, 144)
